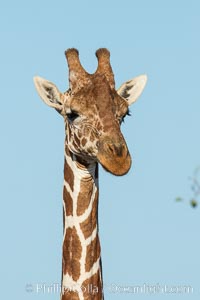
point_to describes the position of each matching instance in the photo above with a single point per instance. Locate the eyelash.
(128, 113)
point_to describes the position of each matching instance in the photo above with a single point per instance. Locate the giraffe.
(93, 111)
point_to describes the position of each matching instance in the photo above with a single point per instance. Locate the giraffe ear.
(48, 92)
(132, 89)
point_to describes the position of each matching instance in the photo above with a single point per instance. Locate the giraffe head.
(93, 111)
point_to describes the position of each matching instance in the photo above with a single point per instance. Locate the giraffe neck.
(81, 265)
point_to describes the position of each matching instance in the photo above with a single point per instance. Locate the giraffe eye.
(72, 116)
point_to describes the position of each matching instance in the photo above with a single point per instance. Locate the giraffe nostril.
(110, 147)
(116, 149)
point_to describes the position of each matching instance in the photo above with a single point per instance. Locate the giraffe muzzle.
(114, 157)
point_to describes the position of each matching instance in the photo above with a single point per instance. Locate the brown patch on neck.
(70, 295)
(84, 197)
(69, 175)
(90, 223)
(72, 250)
(93, 287)
(93, 253)
(68, 202)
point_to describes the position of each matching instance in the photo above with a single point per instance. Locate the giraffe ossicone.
(93, 111)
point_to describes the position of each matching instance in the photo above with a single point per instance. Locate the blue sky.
(147, 238)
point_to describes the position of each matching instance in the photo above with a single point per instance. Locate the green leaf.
(179, 199)
(193, 203)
